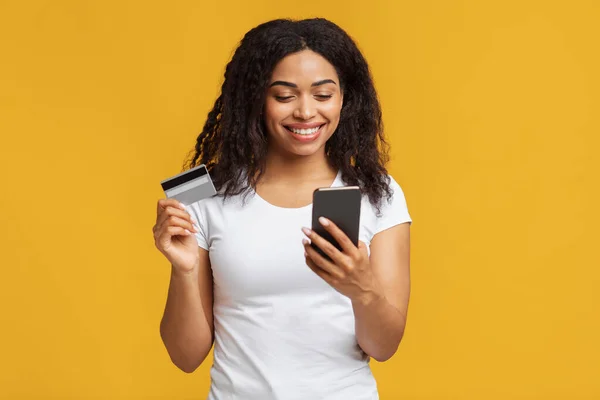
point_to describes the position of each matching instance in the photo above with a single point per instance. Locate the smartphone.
(341, 205)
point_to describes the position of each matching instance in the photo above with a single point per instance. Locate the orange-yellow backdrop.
(492, 111)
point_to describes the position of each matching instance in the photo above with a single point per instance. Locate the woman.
(297, 111)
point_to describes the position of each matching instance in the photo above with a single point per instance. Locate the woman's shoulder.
(391, 210)
(396, 189)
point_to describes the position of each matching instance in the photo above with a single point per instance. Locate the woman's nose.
(305, 110)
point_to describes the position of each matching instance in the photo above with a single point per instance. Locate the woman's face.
(303, 104)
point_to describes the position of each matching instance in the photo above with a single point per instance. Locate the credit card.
(189, 186)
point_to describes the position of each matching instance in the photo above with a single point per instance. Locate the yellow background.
(492, 112)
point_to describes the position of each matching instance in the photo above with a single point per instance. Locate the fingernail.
(305, 242)
(305, 254)
(306, 231)
(188, 232)
(181, 206)
(323, 221)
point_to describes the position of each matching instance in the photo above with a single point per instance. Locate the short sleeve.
(394, 211)
(197, 213)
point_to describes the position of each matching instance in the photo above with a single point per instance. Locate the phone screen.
(341, 205)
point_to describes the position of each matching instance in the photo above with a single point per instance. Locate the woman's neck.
(298, 169)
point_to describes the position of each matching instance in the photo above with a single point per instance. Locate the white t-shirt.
(281, 332)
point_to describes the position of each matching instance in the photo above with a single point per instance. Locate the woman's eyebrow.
(293, 85)
(283, 83)
(324, 81)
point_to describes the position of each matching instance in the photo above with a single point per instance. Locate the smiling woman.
(302, 113)
(297, 111)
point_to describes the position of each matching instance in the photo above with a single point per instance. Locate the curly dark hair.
(233, 142)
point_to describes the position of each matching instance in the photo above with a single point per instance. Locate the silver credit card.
(189, 186)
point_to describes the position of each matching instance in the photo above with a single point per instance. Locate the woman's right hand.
(174, 235)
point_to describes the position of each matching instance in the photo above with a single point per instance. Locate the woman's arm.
(187, 324)
(381, 315)
(378, 285)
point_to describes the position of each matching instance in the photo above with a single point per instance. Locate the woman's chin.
(295, 148)
(307, 149)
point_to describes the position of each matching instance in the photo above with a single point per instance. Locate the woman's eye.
(321, 97)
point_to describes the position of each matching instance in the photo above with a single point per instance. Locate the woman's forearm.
(379, 326)
(184, 328)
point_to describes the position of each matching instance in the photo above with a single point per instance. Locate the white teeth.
(305, 131)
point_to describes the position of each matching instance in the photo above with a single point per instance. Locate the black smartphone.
(341, 205)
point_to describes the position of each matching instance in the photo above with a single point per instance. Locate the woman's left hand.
(349, 271)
